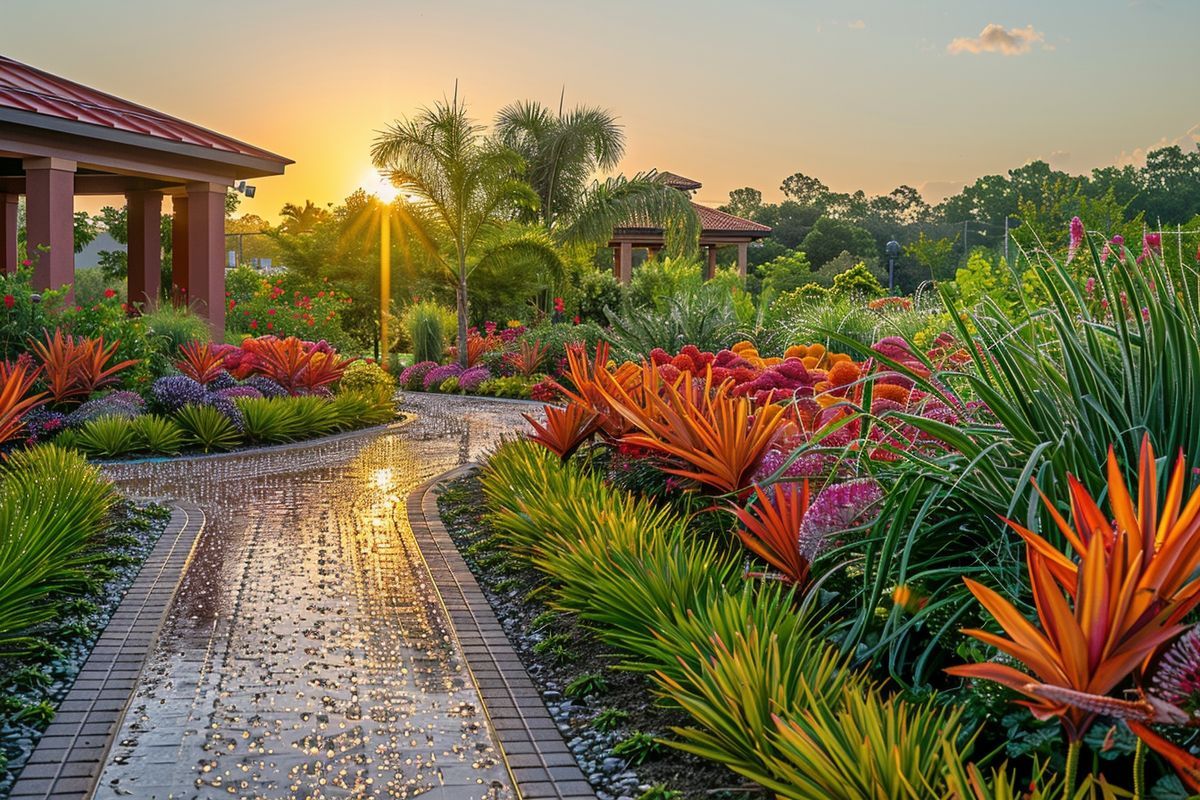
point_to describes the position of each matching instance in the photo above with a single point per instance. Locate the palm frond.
(640, 201)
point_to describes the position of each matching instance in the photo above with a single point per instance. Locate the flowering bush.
(470, 379)
(173, 392)
(413, 378)
(114, 404)
(273, 306)
(265, 386)
(434, 377)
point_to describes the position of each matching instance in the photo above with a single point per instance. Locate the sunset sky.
(868, 95)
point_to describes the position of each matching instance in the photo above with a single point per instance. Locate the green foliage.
(175, 326)
(984, 278)
(207, 428)
(367, 377)
(108, 437)
(704, 317)
(355, 409)
(21, 318)
(858, 281)
(269, 420)
(512, 386)
(609, 719)
(658, 280)
(429, 327)
(159, 435)
(52, 507)
(637, 748)
(597, 292)
(555, 338)
(588, 683)
(829, 237)
(787, 273)
(287, 304)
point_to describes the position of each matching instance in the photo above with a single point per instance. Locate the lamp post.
(1015, 223)
(893, 252)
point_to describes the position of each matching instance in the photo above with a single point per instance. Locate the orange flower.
(844, 373)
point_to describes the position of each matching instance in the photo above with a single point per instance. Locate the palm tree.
(302, 219)
(464, 192)
(562, 153)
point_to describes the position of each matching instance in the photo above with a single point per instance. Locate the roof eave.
(247, 166)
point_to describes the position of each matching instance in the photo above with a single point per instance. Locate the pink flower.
(1090, 286)
(1076, 238)
(1151, 245)
(1116, 244)
(27, 263)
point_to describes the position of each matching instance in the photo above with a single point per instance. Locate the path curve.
(306, 654)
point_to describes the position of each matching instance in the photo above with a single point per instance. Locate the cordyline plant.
(294, 364)
(565, 429)
(586, 377)
(720, 438)
(770, 528)
(200, 362)
(1105, 619)
(15, 401)
(74, 367)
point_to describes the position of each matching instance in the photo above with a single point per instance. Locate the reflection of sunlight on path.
(307, 653)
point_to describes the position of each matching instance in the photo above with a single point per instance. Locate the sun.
(376, 184)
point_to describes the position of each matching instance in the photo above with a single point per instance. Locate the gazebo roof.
(37, 99)
(678, 181)
(713, 224)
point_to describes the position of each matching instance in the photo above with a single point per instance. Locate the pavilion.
(59, 139)
(717, 229)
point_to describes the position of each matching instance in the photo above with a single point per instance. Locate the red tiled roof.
(678, 181)
(25, 88)
(713, 220)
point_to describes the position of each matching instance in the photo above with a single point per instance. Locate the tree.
(829, 237)
(463, 189)
(301, 219)
(805, 190)
(934, 256)
(744, 202)
(785, 273)
(561, 151)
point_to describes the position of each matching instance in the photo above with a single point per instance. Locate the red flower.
(270, 326)
(253, 324)
(559, 305)
(27, 263)
(110, 293)
(9, 301)
(576, 320)
(270, 312)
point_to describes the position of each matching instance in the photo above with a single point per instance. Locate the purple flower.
(412, 377)
(265, 386)
(238, 391)
(227, 408)
(470, 379)
(837, 508)
(808, 465)
(114, 404)
(223, 381)
(174, 392)
(434, 377)
(42, 424)
(1076, 238)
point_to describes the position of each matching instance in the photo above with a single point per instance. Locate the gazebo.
(717, 229)
(59, 139)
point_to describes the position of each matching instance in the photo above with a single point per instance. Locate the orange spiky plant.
(528, 358)
(15, 401)
(1103, 618)
(565, 429)
(586, 378)
(720, 438)
(771, 529)
(75, 367)
(200, 362)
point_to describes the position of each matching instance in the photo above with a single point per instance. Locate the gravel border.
(539, 761)
(70, 755)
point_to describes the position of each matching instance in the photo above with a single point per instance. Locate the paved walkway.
(307, 655)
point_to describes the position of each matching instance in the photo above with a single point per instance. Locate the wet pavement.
(307, 654)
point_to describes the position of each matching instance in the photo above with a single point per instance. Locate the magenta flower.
(1151, 245)
(1090, 286)
(837, 508)
(1076, 238)
(1177, 679)
(1116, 244)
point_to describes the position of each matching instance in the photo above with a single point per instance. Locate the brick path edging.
(68, 759)
(538, 760)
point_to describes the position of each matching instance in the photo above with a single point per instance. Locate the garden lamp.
(893, 252)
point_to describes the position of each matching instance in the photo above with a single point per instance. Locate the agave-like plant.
(76, 366)
(529, 357)
(1103, 619)
(586, 378)
(15, 400)
(565, 429)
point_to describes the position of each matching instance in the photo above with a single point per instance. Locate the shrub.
(413, 378)
(513, 386)
(107, 437)
(597, 294)
(296, 365)
(156, 434)
(470, 380)
(75, 367)
(269, 420)
(316, 416)
(207, 428)
(858, 281)
(201, 362)
(434, 377)
(123, 404)
(265, 386)
(359, 409)
(175, 326)
(52, 506)
(173, 392)
(449, 386)
(21, 319)
(284, 305)
(363, 376)
(430, 328)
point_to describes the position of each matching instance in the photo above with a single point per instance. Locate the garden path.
(307, 654)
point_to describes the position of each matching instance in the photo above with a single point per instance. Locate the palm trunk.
(461, 296)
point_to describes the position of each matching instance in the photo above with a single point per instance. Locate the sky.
(864, 94)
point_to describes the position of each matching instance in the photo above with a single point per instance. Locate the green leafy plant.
(108, 437)
(637, 748)
(207, 428)
(429, 326)
(588, 683)
(157, 434)
(609, 719)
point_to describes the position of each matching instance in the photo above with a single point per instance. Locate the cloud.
(995, 38)
(856, 25)
(1137, 157)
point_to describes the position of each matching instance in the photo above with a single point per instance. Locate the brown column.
(742, 252)
(49, 220)
(206, 254)
(179, 250)
(625, 263)
(8, 233)
(710, 266)
(652, 252)
(145, 249)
